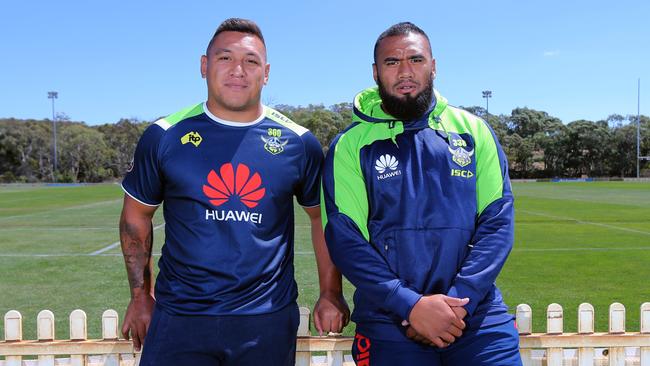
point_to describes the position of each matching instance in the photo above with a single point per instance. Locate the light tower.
(53, 95)
(487, 94)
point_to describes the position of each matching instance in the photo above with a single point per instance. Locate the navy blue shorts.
(496, 345)
(240, 340)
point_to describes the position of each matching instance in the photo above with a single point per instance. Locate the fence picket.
(110, 323)
(616, 326)
(78, 332)
(303, 358)
(13, 333)
(644, 352)
(554, 325)
(524, 323)
(45, 332)
(586, 326)
(111, 351)
(335, 358)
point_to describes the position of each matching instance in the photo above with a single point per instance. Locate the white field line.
(111, 246)
(64, 255)
(586, 222)
(580, 249)
(60, 209)
(93, 255)
(57, 228)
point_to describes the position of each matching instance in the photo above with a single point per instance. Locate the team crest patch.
(192, 137)
(461, 156)
(273, 143)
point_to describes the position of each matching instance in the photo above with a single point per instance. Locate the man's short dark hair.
(399, 29)
(237, 25)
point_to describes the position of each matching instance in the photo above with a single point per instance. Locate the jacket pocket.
(427, 260)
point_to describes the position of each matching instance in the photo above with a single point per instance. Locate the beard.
(407, 107)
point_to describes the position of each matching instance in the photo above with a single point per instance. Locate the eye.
(223, 58)
(252, 61)
(417, 60)
(391, 63)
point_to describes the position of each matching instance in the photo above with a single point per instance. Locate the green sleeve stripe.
(186, 113)
(349, 186)
(323, 209)
(350, 193)
(280, 118)
(489, 179)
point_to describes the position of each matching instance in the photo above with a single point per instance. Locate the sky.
(140, 58)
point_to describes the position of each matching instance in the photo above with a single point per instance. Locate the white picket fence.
(617, 347)
(553, 348)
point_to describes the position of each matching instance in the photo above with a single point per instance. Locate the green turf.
(575, 242)
(580, 242)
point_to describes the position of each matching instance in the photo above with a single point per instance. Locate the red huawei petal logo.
(229, 183)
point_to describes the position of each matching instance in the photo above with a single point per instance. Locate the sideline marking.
(111, 246)
(39, 213)
(585, 222)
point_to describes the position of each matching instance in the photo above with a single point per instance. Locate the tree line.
(537, 145)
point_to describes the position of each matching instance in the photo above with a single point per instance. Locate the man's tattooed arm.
(136, 236)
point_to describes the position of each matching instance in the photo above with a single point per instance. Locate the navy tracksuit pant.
(495, 345)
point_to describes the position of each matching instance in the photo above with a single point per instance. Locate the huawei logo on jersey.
(230, 182)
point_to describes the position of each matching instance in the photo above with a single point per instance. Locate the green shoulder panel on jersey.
(174, 118)
(280, 118)
(349, 184)
(489, 179)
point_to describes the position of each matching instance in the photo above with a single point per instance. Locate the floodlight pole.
(53, 95)
(487, 94)
(638, 128)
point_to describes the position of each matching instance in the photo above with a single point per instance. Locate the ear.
(433, 68)
(204, 66)
(267, 69)
(374, 73)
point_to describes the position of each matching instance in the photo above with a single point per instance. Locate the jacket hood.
(367, 107)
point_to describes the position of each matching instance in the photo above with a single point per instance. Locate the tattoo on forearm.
(136, 247)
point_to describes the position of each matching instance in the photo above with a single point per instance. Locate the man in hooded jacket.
(419, 217)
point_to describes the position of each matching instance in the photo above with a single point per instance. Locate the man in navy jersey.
(227, 171)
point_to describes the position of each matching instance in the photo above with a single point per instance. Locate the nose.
(405, 71)
(237, 70)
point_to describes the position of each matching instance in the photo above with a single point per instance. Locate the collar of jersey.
(233, 123)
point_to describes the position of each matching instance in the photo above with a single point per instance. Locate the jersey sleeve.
(308, 189)
(143, 182)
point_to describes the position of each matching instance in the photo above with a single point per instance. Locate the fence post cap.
(645, 317)
(13, 326)
(45, 325)
(78, 330)
(524, 319)
(585, 318)
(554, 319)
(616, 318)
(616, 306)
(523, 307)
(110, 323)
(304, 326)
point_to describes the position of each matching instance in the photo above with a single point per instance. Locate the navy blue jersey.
(228, 193)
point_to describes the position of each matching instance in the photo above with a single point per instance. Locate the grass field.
(575, 242)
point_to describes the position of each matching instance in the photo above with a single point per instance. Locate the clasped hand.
(437, 320)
